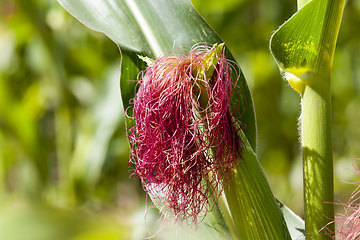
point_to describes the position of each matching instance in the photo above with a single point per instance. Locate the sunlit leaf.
(296, 44)
(304, 45)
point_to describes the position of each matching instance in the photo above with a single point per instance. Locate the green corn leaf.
(303, 46)
(149, 27)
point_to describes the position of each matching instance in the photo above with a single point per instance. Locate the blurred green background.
(63, 147)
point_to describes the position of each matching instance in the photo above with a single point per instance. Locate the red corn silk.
(183, 138)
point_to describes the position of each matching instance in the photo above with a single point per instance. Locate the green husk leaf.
(209, 62)
(251, 202)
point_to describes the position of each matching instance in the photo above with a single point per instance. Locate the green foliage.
(304, 48)
(48, 117)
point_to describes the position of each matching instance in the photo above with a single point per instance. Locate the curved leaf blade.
(304, 45)
(150, 27)
(296, 43)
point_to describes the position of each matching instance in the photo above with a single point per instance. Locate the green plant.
(304, 49)
(63, 144)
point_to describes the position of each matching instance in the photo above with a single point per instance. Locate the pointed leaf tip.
(209, 63)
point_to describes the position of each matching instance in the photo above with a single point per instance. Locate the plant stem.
(316, 133)
(317, 156)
